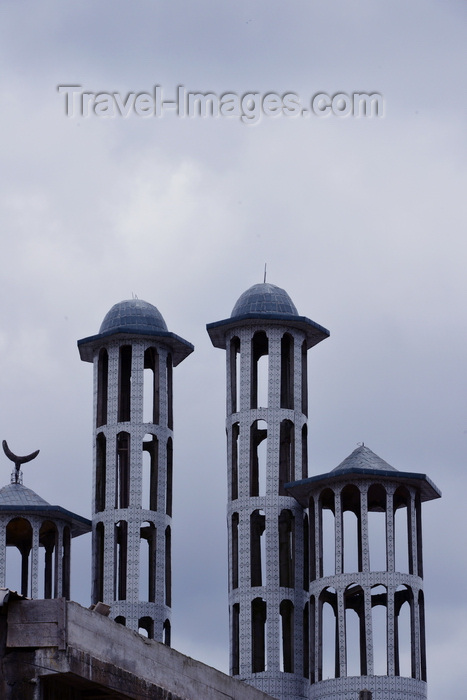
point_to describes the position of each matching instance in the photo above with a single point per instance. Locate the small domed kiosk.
(366, 601)
(41, 535)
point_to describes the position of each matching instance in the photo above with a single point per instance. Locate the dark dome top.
(264, 299)
(133, 315)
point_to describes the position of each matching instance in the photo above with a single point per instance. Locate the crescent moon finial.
(17, 459)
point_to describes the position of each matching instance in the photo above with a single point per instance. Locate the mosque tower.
(133, 355)
(366, 603)
(267, 343)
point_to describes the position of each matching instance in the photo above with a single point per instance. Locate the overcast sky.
(361, 220)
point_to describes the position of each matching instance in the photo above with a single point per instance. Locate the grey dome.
(133, 315)
(264, 299)
(19, 495)
(361, 459)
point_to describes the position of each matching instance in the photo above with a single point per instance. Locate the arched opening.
(102, 387)
(421, 612)
(169, 478)
(312, 540)
(101, 472)
(327, 534)
(146, 627)
(418, 522)
(257, 548)
(13, 568)
(352, 540)
(355, 635)
(379, 601)
(304, 379)
(151, 386)
(169, 372)
(306, 641)
(167, 633)
(235, 670)
(402, 530)
(168, 567)
(235, 523)
(377, 527)
(286, 549)
(122, 490)
(287, 371)
(306, 553)
(234, 472)
(259, 370)
(312, 627)
(287, 636)
(304, 451)
(258, 634)
(121, 543)
(150, 471)
(147, 562)
(234, 374)
(98, 568)
(19, 545)
(329, 648)
(258, 457)
(120, 620)
(47, 549)
(124, 383)
(66, 552)
(403, 640)
(286, 455)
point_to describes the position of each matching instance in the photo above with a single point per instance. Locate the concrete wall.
(47, 646)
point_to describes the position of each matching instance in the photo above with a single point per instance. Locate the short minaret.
(39, 534)
(133, 356)
(366, 604)
(266, 343)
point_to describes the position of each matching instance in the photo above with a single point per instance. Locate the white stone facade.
(267, 584)
(134, 604)
(269, 503)
(133, 357)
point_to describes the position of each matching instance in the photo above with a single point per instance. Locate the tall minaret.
(366, 603)
(266, 343)
(133, 356)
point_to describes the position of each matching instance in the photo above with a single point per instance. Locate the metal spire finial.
(265, 265)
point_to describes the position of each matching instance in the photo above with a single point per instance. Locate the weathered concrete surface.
(63, 650)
